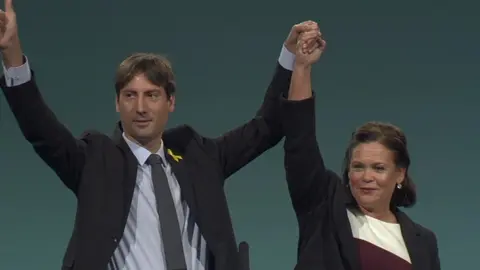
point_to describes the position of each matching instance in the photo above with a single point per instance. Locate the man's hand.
(9, 42)
(305, 54)
(292, 39)
(8, 26)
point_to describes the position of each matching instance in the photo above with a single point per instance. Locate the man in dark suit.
(147, 198)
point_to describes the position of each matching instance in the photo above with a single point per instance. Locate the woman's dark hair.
(393, 139)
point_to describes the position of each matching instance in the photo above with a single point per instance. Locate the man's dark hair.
(395, 140)
(157, 69)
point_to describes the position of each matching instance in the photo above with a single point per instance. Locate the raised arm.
(50, 139)
(305, 170)
(238, 147)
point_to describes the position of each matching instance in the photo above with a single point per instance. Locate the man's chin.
(142, 136)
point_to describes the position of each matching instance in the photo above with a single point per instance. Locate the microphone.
(243, 253)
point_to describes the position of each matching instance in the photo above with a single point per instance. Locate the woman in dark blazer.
(352, 222)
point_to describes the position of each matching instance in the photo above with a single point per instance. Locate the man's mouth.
(142, 122)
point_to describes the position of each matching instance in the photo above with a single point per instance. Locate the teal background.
(411, 63)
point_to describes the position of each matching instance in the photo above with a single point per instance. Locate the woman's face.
(373, 175)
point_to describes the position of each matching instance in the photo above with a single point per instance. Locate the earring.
(399, 186)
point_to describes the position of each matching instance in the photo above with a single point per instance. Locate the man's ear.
(171, 103)
(116, 104)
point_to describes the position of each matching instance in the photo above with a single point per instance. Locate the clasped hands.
(306, 42)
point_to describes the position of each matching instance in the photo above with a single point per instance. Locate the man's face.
(144, 109)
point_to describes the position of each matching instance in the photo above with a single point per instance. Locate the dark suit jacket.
(101, 172)
(320, 200)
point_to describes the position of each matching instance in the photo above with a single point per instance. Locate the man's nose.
(141, 105)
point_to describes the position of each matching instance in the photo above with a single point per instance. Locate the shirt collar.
(140, 152)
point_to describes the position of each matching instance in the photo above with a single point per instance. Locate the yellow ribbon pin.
(177, 158)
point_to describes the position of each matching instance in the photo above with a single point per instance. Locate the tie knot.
(154, 159)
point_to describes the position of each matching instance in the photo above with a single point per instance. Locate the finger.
(312, 46)
(311, 35)
(315, 43)
(308, 23)
(302, 45)
(308, 34)
(9, 5)
(302, 48)
(309, 40)
(311, 25)
(305, 26)
(318, 37)
(3, 21)
(323, 44)
(299, 28)
(308, 47)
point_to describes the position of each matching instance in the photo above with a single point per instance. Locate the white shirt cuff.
(15, 76)
(286, 59)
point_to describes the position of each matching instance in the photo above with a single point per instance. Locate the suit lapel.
(413, 241)
(349, 246)
(130, 170)
(180, 168)
(196, 194)
(129, 173)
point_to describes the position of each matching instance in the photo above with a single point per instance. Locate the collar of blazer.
(173, 155)
(411, 232)
(405, 222)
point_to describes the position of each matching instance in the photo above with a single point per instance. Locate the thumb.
(297, 29)
(304, 27)
(8, 5)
